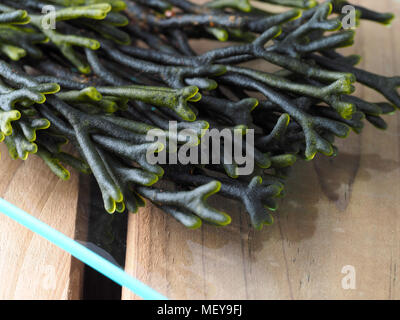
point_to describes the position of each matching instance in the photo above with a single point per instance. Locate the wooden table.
(340, 214)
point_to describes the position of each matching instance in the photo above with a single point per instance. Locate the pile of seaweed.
(112, 71)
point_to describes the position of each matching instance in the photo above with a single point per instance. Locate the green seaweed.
(87, 94)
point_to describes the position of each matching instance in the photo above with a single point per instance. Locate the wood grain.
(338, 212)
(31, 267)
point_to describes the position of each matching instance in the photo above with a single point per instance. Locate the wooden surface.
(337, 213)
(31, 267)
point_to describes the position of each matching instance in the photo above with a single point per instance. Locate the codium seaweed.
(112, 71)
